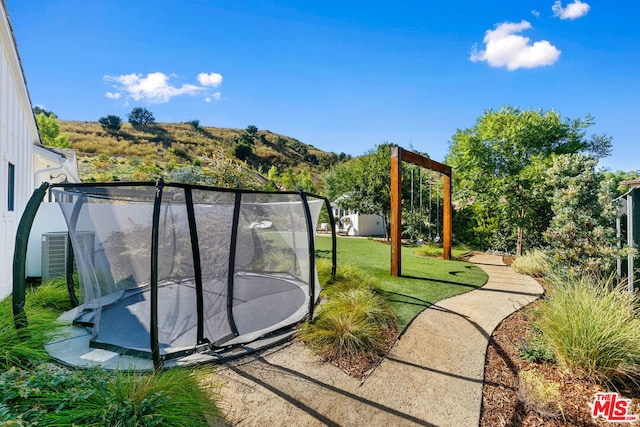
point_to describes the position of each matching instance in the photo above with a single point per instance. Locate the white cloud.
(572, 11)
(535, 13)
(154, 88)
(505, 48)
(158, 88)
(213, 79)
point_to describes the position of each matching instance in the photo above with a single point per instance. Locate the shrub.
(538, 394)
(241, 150)
(593, 327)
(533, 263)
(51, 395)
(535, 348)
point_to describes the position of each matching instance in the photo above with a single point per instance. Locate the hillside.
(154, 150)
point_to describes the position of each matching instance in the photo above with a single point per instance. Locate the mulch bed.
(501, 404)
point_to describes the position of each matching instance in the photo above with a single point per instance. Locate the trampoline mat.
(261, 304)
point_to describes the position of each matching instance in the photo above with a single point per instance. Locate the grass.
(353, 326)
(351, 323)
(54, 396)
(26, 346)
(425, 281)
(435, 250)
(593, 328)
(33, 392)
(534, 264)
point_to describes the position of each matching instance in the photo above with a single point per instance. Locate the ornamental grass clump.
(52, 395)
(353, 321)
(593, 328)
(534, 264)
(43, 305)
(346, 278)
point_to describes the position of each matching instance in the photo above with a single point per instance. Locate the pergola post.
(396, 211)
(399, 155)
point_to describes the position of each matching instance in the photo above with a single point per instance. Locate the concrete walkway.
(432, 376)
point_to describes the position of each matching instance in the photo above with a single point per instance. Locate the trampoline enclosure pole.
(312, 253)
(153, 327)
(197, 267)
(232, 263)
(332, 223)
(20, 255)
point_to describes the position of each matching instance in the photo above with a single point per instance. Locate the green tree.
(37, 110)
(140, 117)
(581, 235)
(272, 174)
(500, 163)
(241, 150)
(281, 142)
(615, 179)
(363, 184)
(244, 138)
(295, 182)
(251, 130)
(111, 124)
(49, 128)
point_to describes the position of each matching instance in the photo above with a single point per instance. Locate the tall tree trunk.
(520, 232)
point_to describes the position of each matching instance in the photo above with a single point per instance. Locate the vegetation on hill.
(110, 150)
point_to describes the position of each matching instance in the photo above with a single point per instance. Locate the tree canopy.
(111, 124)
(499, 162)
(49, 128)
(363, 183)
(581, 235)
(139, 117)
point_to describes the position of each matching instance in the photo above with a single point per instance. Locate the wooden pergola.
(399, 155)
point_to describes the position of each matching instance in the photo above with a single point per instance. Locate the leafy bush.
(593, 327)
(51, 395)
(533, 263)
(535, 348)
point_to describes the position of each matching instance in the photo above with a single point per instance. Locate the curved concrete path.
(432, 376)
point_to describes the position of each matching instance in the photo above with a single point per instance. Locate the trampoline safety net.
(219, 267)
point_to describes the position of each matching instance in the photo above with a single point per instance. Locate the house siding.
(18, 133)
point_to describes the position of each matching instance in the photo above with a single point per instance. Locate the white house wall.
(18, 133)
(367, 225)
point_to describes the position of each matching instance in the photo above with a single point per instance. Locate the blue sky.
(340, 75)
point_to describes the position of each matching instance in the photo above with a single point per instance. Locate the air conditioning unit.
(54, 252)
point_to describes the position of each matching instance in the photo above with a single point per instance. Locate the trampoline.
(177, 274)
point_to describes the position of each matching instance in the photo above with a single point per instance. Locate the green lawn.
(424, 282)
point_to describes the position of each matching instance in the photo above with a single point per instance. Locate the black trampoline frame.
(26, 222)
